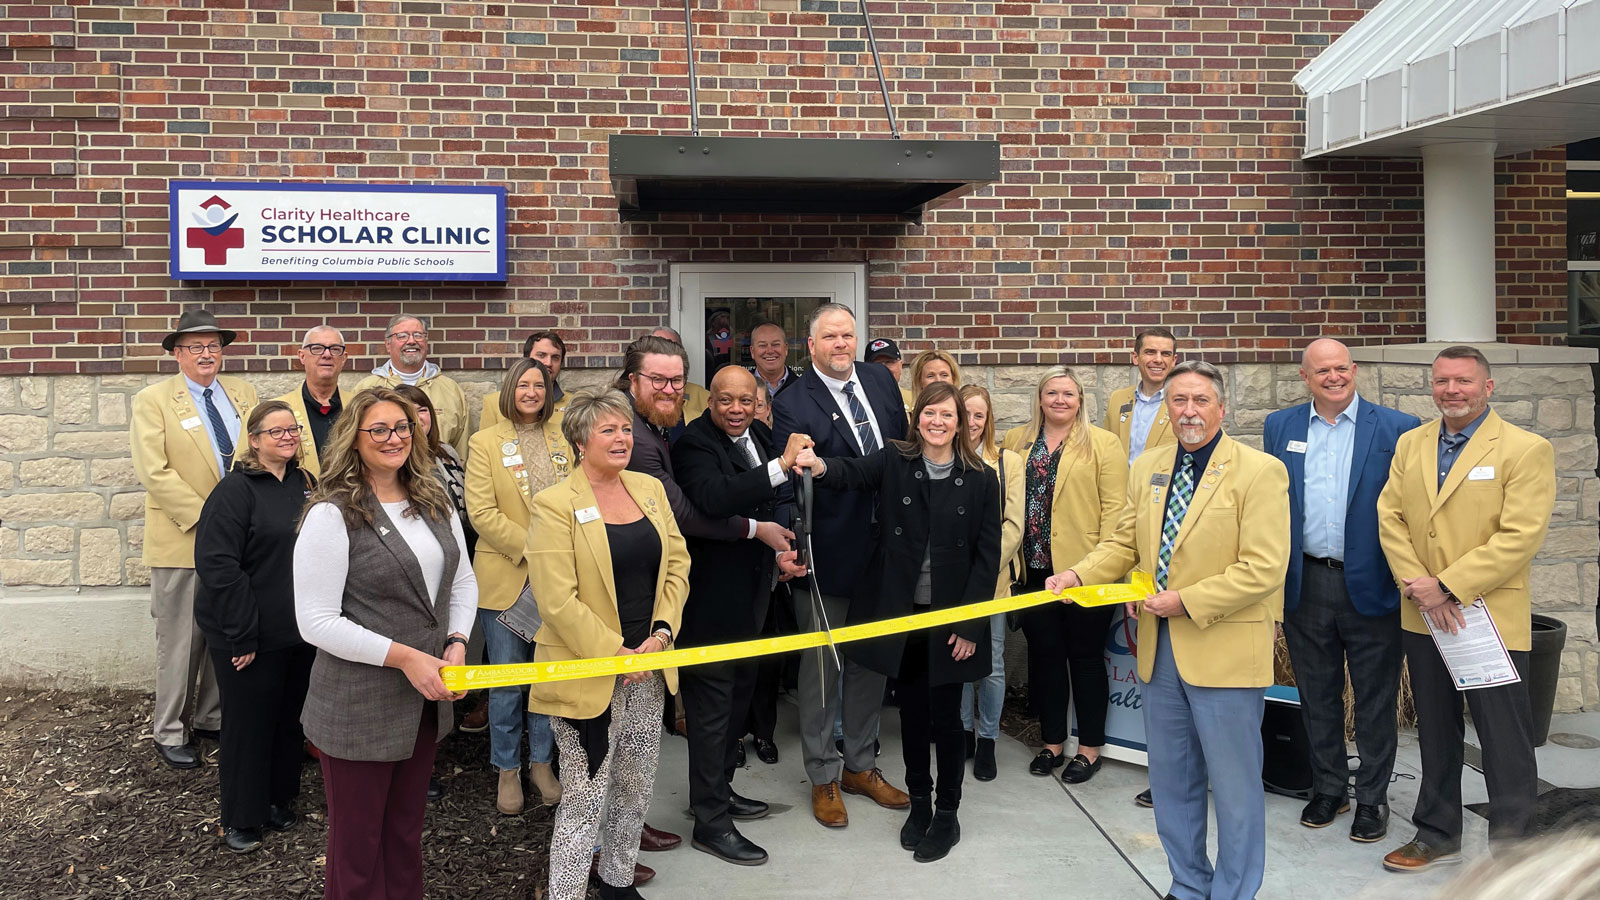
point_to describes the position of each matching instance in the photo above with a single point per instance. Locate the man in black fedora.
(186, 430)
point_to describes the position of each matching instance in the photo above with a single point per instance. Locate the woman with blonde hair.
(981, 701)
(1075, 485)
(383, 591)
(508, 462)
(610, 571)
(931, 366)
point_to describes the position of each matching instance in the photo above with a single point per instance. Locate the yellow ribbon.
(466, 678)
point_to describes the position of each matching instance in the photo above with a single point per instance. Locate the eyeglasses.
(278, 433)
(660, 381)
(380, 433)
(334, 350)
(197, 349)
(410, 335)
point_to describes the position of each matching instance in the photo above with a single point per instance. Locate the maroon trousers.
(375, 821)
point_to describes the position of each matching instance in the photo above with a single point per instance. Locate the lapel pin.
(383, 531)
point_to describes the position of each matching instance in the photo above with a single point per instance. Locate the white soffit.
(1523, 74)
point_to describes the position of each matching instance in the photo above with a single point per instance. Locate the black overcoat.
(961, 531)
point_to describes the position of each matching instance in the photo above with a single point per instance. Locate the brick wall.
(1151, 171)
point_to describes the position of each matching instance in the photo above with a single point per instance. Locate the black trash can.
(1544, 669)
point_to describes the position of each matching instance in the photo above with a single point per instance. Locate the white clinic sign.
(348, 232)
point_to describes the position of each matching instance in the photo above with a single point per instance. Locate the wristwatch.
(454, 639)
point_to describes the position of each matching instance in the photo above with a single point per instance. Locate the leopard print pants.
(610, 806)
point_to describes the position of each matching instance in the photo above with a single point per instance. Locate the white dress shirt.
(836, 388)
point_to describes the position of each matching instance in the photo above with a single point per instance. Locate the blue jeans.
(991, 688)
(508, 706)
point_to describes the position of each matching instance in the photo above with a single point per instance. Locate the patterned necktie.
(1177, 505)
(749, 452)
(224, 440)
(858, 417)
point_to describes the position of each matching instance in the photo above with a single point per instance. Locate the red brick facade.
(1150, 154)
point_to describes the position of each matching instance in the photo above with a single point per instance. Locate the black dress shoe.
(766, 751)
(731, 846)
(435, 788)
(242, 840)
(972, 744)
(1080, 769)
(917, 822)
(182, 756)
(1323, 809)
(1371, 823)
(745, 809)
(210, 734)
(281, 818)
(607, 892)
(983, 767)
(1046, 762)
(943, 833)
(1145, 800)
(738, 754)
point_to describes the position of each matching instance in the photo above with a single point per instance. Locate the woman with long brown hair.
(383, 590)
(1075, 488)
(938, 546)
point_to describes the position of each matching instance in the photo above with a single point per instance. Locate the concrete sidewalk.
(1022, 837)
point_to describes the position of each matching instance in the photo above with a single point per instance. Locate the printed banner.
(465, 678)
(281, 231)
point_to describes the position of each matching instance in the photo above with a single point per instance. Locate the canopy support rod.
(883, 86)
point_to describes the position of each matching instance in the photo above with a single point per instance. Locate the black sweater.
(244, 560)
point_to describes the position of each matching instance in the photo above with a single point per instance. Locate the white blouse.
(322, 561)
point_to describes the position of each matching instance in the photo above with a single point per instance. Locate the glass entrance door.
(718, 305)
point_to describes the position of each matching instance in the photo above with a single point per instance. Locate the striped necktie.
(859, 418)
(1177, 505)
(224, 440)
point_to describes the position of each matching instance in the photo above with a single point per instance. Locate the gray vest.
(372, 713)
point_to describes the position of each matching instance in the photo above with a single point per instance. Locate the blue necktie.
(858, 416)
(1177, 505)
(224, 440)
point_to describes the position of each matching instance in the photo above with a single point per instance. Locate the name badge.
(587, 515)
(190, 423)
(509, 461)
(1160, 479)
(1481, 473)
(1297, 446)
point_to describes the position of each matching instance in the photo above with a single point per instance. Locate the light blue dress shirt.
(230, 417)
(1144, 415)
(1329, 449)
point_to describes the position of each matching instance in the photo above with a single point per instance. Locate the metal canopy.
(1523, 74)
(830, 176)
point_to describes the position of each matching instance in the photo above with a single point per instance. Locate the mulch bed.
(87, 810)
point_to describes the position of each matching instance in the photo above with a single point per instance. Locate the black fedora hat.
(198, 321)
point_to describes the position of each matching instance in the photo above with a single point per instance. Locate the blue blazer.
(844, 521)
(1366, 570)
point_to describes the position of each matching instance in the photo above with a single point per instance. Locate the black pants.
(715, 697)
(262, 743)
(1503, 717)
(763, 718)
(1325, 633)
(930, 712)
(1067, 651)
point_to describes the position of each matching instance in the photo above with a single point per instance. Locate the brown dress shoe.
(1418, 856)
(641, 874)
(827, 804)
(478, 719)
(871, 784)
(654, 839)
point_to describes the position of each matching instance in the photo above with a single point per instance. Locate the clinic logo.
(1121, 637)
(215, 234)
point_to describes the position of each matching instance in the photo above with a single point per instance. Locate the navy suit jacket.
(842, 524)
(1366, 570)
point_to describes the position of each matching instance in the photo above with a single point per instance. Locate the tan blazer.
(569, 567)
(308, 447)
(1228, 562)
(1088, 494)
(498, 503)
(490, 414)
(448, 399)
(696, 399)
(1480, 531)
(177, 464)
(1014, 489)
(1119, 420)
